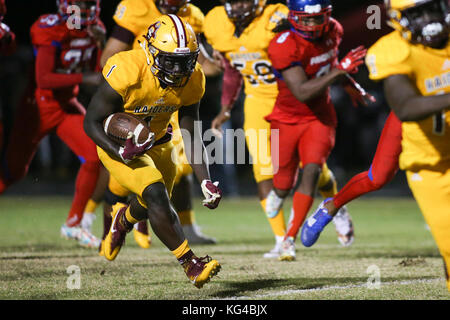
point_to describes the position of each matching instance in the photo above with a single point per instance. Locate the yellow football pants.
(431, 189)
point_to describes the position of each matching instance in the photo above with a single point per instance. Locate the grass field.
(391, 239)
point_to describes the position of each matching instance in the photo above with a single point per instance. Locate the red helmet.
(171, 6)
(89, 9)
(2, 9)
(310, 18)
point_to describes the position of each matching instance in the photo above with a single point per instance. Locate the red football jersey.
(316, 58)
(75, 52)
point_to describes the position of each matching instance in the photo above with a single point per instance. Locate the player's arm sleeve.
(231, 85)
(46, 77)
(126, 15)
(283, 53)
(7, 40)
(120, 75)
(388, 57)
(123, 34)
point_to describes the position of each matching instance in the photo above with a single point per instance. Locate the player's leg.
(151, 177)
(327, 186)
(257, 135)
(70, 130)
(431, 189)
(383, 169)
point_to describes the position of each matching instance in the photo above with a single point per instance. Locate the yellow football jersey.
(129, 74)
(137, 15)
(426, 143)
(248, 53)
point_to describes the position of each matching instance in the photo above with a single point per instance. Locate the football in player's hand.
(118, 125)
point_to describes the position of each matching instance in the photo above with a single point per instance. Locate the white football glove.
(212, 194)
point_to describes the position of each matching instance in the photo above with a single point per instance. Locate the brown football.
(118, 125)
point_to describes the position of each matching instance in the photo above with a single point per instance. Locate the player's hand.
(91, 78)
(212, 194)
(6, 36)
(133, 149)
(357, 93)
(353, 60)
(219, 120)
(98, 32)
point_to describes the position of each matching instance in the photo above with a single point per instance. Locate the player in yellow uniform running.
(241, 31)
(132, 18)
(414, 63)
(151, 83)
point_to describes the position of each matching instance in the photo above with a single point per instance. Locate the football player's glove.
(353, 60)
(357, 93)
(212, 194)
(133, 149)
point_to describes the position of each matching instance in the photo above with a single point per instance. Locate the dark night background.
(54, 167)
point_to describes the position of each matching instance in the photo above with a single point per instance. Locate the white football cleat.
(287, 250)
(273, 204)
(70, 232)
(195, 236)
(344, 227)
(88, 240)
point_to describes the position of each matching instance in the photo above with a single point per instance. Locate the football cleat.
(70, 232)
(141, 234)
(273, 204)
(101, 248)
(344, 227)
(195, 236)
(274, 253)
(117, 233)
(315, 224)
(88, 240)
(287, 252)
(201, 270)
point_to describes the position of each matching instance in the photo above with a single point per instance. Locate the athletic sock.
(301, 205)
(84, 187)
(277, 223)
(357, 186)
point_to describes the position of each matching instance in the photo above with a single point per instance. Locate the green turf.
(390, 235)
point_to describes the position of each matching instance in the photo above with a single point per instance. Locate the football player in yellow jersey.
(414, 63)
(241, 31)
(132, 18)
(152, 83)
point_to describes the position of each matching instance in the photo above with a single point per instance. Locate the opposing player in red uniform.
(385, 165)
(304, 59)
(66, 52)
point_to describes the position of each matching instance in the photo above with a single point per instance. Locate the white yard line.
(326, 288)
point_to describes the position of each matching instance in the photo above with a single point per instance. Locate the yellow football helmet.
(173, 45)
(420, 21)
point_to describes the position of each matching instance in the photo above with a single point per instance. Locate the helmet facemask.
(311, 25)
(171, 6)
(427, 23)
(173, 69)
(242, 12)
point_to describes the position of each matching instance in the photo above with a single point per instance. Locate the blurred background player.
(241, 31)
(132, 19)
(162, 72)
(7, 47)
(66, 55)
(305, 62)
